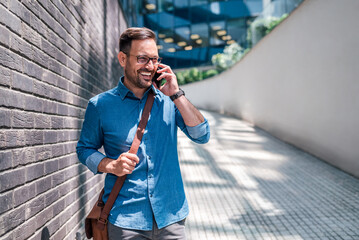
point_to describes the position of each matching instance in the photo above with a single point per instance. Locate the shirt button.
(150, 195)
(149, 157)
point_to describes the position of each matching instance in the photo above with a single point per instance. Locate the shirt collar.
(124, 92)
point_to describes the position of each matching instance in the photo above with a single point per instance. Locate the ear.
(122, 58)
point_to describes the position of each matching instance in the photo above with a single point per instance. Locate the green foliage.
(193, 75)
(231, 54)
(261, 27)
(209, 73)
(275, 23)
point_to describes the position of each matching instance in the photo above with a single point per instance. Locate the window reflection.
(191, 31)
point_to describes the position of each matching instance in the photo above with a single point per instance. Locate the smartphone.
(154, 79)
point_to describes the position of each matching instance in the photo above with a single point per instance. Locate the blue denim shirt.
(155, 188)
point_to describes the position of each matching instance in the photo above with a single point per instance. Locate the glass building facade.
(190, 32)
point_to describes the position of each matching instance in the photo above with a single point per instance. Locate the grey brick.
(72, 123)
(49, 77)
(42, 121)
(11, 99)
(67, 74)
(57, 122)
(57, 178)
(27, 229)
(6, 201)
(24, 193)
(50, 107)
(72, 171)
(57, 150)
(54, 225)
(34, 137)
(33, 103)
(62, 109)
(43, 3)
(2, 140)
(34, 206)
(10, 59)
(12, 219)
(63, 136)
(23, 156)
(43, 185)
(33, 6)
(12, 179)
(5, 160)
(5, 118)
(19, 10)
(22, 82)
(74, 135)
(51, 197)
(61, 57)
(40, 58)
(57, 94)
(51, 166)
(37, 24)
(4, 36)
(76, 112)
(5, 79)
(15, 138)
(53, 38)
(65, 162)
(4, 2)
(20, 46)
(43, 153)
(42, 89)
(22, 119)
(32, 69)
(50, 137)
(70, 148)
(44, 217)
(54, 66)
(63, 83)
(35, 171)
(10, 20)
(50, 49)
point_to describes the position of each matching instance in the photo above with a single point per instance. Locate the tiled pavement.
(246, 184)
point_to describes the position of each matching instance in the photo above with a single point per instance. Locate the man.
(152, 202)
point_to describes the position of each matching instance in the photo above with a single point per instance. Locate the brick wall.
(54, 56)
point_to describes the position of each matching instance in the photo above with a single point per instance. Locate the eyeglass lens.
(145, 60)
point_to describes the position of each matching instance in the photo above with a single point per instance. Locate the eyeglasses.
(142, 59)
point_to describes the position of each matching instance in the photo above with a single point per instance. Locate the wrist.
(177, 95)
(105, 166)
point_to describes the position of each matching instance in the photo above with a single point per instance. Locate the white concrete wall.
(300, 83)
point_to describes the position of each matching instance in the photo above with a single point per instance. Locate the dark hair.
(134, 34)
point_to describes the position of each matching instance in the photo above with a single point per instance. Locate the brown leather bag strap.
(134, 148)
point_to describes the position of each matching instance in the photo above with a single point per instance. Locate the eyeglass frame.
(158, 59)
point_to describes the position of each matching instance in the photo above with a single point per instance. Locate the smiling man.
(152, 203)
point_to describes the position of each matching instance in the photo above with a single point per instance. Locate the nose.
(150, 65)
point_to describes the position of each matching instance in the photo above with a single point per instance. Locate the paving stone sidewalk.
(246, 184)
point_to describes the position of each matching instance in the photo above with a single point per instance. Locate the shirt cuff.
(199, 130)
(93, 161)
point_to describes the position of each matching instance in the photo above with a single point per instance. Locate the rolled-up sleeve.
(91, 139)
(199, 133)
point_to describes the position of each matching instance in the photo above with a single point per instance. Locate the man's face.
(140, 75)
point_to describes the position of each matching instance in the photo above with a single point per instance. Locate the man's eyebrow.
(144, 55)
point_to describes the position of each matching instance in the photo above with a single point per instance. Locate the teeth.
(146, 73)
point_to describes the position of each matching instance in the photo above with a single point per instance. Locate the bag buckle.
(102, 220)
